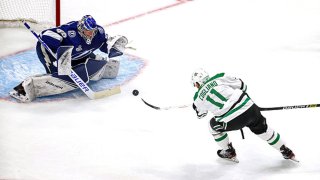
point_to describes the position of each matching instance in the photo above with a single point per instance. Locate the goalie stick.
(73, 75)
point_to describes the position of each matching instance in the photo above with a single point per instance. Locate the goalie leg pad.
(46, 85)
(98, 69)
(39, 86)
(52, 84)
(95, 68)
(111, 69)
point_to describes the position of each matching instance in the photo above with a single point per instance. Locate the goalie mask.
(199, 76)
(87, 28)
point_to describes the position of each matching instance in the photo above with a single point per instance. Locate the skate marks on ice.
(14, 69)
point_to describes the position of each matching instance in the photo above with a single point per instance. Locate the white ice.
(273, 46)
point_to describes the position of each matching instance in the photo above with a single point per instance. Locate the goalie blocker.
(52, 84)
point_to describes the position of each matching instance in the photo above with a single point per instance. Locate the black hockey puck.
(135, 92)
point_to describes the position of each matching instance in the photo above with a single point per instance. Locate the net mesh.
(41, 12)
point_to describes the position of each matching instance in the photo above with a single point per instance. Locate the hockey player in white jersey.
(85, 36)
(226, 98)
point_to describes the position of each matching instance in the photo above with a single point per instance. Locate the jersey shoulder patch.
(101, 30)
(219, 75)
(72, 33)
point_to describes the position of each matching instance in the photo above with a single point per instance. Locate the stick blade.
(64, 60)
(107, 92)
(150, 105)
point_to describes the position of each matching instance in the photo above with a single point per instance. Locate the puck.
(135, 92)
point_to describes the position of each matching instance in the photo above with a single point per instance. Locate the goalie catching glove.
(118, 43)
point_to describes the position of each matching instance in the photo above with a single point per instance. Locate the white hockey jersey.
(223, 96)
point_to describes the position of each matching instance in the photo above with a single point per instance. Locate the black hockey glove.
(221, 127)
(200, 115)
(218, 126)
(243, 86)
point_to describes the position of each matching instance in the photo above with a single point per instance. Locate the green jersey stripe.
(276, 140)
(221, 138)
(234, 110)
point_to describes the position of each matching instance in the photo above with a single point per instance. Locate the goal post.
(42, 13)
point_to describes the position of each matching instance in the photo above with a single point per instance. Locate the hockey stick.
(75, 77)
(290, 107)
(261, 108)
(163, 108)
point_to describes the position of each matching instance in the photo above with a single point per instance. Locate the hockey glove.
(218, 126)
(118, 42)
(243, 86)
(199, 114)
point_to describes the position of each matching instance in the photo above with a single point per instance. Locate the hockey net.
(41, 13)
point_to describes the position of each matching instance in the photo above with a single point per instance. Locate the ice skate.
(24, 92)
(228, 154)
(19, 93)
(287, 153)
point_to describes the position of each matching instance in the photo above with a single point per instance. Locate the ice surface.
(273, 46)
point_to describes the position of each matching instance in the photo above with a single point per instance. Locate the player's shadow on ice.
(283, 165)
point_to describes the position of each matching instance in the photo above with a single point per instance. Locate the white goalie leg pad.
(111, 69)
(46, 85)
(42, 85)
(273, 138)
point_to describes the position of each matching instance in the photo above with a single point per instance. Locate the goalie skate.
(228, 154)
(294, 159)
(19, 95)
(24, 92)
(288, 154)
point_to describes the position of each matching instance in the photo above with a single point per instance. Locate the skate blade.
(15, 95)
(294, 160)
(234, 159)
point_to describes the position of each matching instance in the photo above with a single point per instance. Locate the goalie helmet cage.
(41, 13)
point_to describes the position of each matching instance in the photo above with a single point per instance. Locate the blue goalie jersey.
(68, 35)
